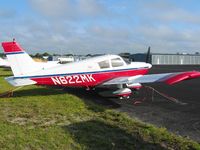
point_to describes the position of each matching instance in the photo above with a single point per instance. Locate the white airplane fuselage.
(87, 73)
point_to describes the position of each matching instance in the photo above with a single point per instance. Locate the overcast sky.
(102, 26)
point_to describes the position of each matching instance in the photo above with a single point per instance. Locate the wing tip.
(183, 76)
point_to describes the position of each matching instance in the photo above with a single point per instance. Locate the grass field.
(45, 118)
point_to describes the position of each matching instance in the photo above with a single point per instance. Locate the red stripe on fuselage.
(82, 80)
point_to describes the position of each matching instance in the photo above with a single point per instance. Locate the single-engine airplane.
(101, 71)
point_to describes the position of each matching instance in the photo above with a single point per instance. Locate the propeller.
(148, 55)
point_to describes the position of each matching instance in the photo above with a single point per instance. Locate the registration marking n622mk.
(72, 79)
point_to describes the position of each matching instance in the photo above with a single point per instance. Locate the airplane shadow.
(96, 134)
(92, 96)
(37, 91)
(89, 97)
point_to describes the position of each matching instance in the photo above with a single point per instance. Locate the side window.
(104, 64)
(117, 62)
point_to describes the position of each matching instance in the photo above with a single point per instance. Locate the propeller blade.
(148, 55)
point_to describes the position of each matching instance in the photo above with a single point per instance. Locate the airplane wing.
(168, 78)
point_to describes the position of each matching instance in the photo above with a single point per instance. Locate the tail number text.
(75, 79)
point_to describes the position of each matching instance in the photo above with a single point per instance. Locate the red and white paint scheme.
(94, 72)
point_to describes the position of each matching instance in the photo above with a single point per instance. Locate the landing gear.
(90, 88)
(87, 88)
(124, 97)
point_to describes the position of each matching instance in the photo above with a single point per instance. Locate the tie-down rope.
(161, 94)
(9, 93)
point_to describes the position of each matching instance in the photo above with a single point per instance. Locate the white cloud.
(68, 9)
(91, 26)
(51, 8)
(7, 14)
(90, 7)
(166, 39)
(166, 12)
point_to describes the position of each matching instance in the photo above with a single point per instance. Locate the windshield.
(127, 61)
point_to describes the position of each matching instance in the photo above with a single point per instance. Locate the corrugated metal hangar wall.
(159, 59)
(168, 59)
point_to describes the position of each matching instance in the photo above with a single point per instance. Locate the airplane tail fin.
(21, 63)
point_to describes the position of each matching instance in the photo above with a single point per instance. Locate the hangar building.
(168, 59)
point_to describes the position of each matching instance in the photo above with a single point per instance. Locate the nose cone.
(141, 65)
(148, 65)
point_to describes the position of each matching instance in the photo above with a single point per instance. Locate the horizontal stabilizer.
(20, 82)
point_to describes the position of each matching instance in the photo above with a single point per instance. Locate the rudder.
(21, 63)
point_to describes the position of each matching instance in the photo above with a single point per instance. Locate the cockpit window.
(104, 64)
(117, 62)
(127, 61)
